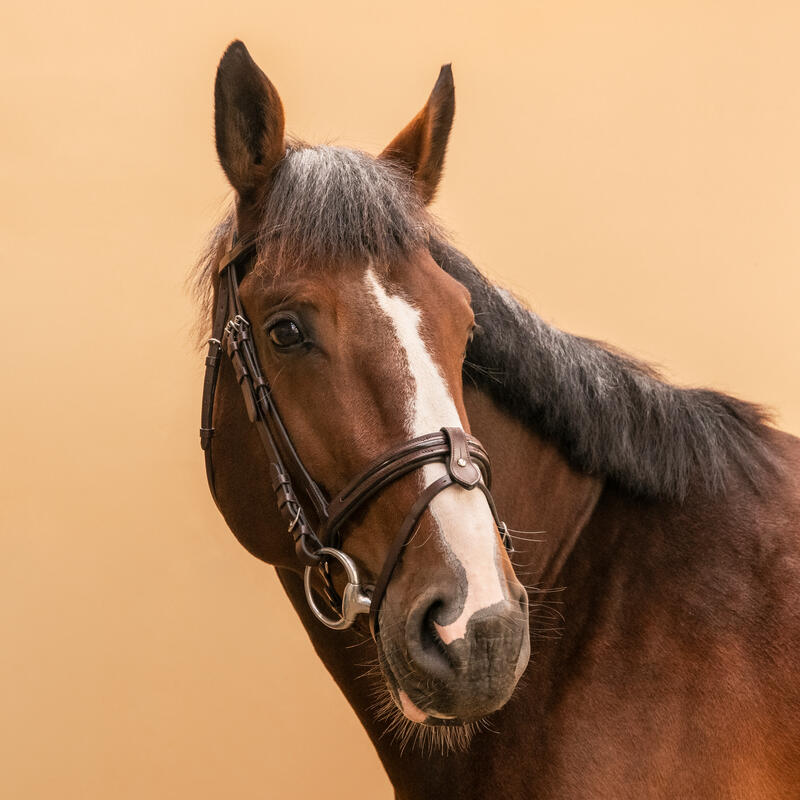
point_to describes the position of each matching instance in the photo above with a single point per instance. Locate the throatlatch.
(465, 460)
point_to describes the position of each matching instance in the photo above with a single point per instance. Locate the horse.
(618, 616)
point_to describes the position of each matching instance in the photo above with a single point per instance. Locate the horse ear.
(248, 123)
(421, 145)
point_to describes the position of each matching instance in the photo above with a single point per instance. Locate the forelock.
(331, 205)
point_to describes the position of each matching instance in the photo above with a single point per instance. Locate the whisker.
(511, 530)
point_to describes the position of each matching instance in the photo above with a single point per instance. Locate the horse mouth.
(421, 701)
(404, 699)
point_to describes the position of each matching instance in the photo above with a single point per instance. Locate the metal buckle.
(237, 328)
(355, 599)
(242, 325)
(295, 520)
(506, 537)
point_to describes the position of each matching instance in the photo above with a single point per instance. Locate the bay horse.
(648, 643)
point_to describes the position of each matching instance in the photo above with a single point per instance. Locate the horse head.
(361, 338)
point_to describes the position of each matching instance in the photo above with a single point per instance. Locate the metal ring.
(355, 599)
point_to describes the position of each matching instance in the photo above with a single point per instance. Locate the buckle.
(237, 329)
(508, 542)
(296, 518)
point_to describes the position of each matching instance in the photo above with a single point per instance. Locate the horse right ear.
(421, 145)
(248, 123)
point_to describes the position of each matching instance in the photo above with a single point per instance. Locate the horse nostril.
(463, 668)
(425, 646)
(430, 638)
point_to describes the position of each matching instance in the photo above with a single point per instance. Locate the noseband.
(466, 462)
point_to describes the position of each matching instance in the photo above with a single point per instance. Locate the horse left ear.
(248, 122)
(420, 147)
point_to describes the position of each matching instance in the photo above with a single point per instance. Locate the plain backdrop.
(631, 168)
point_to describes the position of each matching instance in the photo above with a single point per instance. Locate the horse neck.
(540, 497)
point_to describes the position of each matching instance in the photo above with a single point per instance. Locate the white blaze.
(463, 517)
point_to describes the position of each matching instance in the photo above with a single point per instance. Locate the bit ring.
(355, 598)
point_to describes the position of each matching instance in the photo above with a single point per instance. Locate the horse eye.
(285, 333)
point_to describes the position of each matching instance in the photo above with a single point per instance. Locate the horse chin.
(410, 727)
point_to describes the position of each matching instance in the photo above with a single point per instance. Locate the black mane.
(609, 414)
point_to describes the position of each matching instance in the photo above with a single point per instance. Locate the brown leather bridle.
(464, 457)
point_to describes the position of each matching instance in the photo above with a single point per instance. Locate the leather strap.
(405, 532)
(210, 380)
(460, 464)
(231, 331)
(394, 464)
(277, 443)
(242, 248)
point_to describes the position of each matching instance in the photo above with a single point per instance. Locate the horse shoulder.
(684, 630)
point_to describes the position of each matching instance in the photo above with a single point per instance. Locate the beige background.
(633, 169)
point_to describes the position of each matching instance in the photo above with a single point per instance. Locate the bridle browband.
(465, 459)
